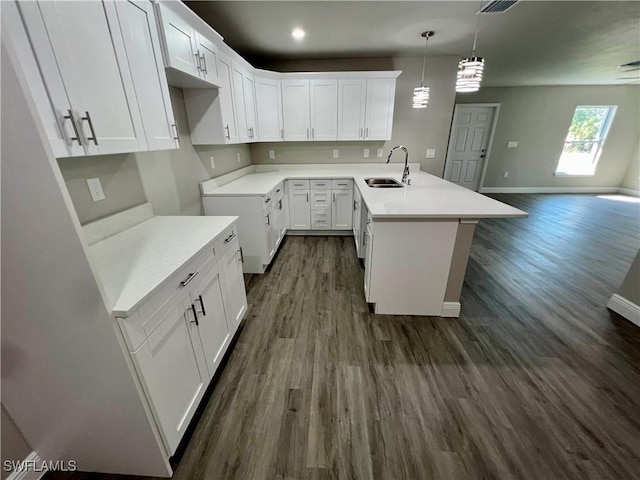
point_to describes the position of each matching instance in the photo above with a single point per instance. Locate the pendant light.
(421, 93)
(470, 69)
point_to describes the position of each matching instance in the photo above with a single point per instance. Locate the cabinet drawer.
(320, 198)
(343, 184)
(272, 197)
(321, 184)
(173, 286)
(226, 240)
(321, 219)
(298, 184)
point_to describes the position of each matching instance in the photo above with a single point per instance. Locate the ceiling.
(533, 43)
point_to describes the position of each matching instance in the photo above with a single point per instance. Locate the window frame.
(601, 137)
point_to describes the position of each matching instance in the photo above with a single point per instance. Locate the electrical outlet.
(366, 153)
(379, 153)
(238, 156)
(506, 174)
(95, 189)
(512, 144)
(335, 153)
(272, 154)
(212, 161)
(431, 153)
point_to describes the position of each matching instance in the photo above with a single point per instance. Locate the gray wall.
(13, 445)
(417, 129)
(630, 288)
(538, 118)
(632, 177)
(168, 179)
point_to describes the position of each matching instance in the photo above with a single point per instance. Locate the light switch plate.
(431, 153)
(95, 189)
(379, 153)
(212, 161)
(366, 153)
(272, 154)
(335, 153)
(512, 144)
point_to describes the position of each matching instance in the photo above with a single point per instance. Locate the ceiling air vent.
(498, 6)
(635, 64)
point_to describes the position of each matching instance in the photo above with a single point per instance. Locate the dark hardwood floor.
(535, 380)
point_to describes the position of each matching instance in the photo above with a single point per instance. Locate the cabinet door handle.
(268, 222)
(241, 255)
(228, 134)
(267, 200)
(334, 197)
(361, 132)
(230, 237)
(278, 191)
(307, 134)
(204, 312)
(75, 127)
(187, 280)
(204, 62)
(313, 133)
(366, 132)
(307, 198)
(355, 206)
(93, 137)
(175, 128)
(282, 133)
(195, 315)
(197, 54)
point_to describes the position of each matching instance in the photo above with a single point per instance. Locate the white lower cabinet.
(368, 263)
(342, 209)
(299, 206)
(187, 334)
(356, 223)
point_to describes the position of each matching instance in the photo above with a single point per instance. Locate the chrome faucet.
(405, 172)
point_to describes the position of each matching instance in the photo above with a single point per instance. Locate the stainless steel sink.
(383, 183)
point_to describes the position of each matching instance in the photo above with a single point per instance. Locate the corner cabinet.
(122, 106)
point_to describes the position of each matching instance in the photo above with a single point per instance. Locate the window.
(582, 147)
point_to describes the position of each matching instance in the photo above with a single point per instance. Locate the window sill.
(565, 174)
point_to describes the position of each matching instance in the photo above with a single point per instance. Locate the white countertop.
(427, 196)
(135, 263)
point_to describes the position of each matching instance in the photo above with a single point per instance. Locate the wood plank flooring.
(536, 379)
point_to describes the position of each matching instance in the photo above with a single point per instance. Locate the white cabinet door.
(269, 110)
(170, 366)
(351, 109)
(272, 235)
(356, 219)
(212, 322)
(207, 54)
(368, 245)
(180, 41)
(249, 89)
(235, 304)
(295, 110)
(138, 27)
(379, 108)
(299, 210)
(239, 107)
(342, 209)
(321, 219)
(324, 109)
(279, 226)
(95, 73)
(225, 93)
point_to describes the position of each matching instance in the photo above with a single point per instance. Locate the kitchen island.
(415, 239)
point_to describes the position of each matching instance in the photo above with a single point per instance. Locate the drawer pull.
(187, 280)
(267, 200)
(230, 237)
(241, 255)
(75, 127)
(204, 313)
(278, 191)
(195, 315)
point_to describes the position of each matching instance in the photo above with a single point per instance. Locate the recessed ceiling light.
(298, 33)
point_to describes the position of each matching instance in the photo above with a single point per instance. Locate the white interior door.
(468, 144)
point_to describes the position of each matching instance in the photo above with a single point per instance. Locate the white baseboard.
(33, 459)
(625, 308)
(629, 191)
(549, 190)
(450, 309)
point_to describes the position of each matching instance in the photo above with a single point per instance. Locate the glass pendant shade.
(420, 97)
(470, 71)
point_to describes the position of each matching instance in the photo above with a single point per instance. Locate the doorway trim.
(494, 124)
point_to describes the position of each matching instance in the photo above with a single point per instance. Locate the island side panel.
(410, 265)
(458, 268)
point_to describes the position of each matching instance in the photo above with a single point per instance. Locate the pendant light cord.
(475, 38)
(424, 64)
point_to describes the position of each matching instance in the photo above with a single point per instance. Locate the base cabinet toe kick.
(416, 267)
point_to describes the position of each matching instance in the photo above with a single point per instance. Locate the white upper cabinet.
(323, 96)
(365, 109)
(249, 88)
(227, 104)
(244, 103)
(269, 110)
(189, 54)
(137, 23)
(107, 92)
(296, 110)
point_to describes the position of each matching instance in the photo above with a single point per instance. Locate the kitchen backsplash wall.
(538, 119)
(167, 179)
(416, 129)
